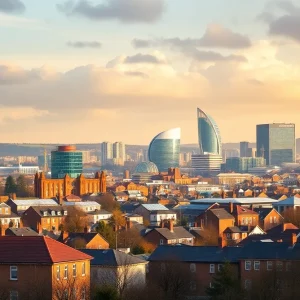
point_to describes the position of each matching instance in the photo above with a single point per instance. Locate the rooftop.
(111, 258)
(39, 250)
(34, 202)
(242, 201)
(221, 213)
(178, 233)
(152, 207)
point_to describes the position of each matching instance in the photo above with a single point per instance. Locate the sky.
(87, 71)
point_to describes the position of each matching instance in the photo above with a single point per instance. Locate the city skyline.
(69, 68)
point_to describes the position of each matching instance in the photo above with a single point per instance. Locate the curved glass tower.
(209, 134)
(164, 149)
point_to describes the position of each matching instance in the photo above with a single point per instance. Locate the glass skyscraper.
(164, 150)
(66, 160)
(276, 143)
(209, 134)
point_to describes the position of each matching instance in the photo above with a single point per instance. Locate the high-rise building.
(106, 152)
(243, 164)
(208, 134)
(276, 143)
(210, 158)
(244, 146)
(66, 160)
(119, 153)
(164, 150)
(226, 153)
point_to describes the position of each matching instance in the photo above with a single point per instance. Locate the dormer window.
(45, 213)
(65, 213)
(53, 213)
(59, 213)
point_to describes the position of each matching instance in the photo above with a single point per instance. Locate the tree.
(75, 221)
(224, 285)
(106, 292)
(10, 186)
(107, 202)
(107, 232)
(22, 186)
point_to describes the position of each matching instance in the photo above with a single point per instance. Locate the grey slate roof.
(263, 212)
(221, 213)
(233, 229)
(112, 258)
(178, 233)
(24, 231)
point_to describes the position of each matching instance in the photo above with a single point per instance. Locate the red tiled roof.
(242, 210)
(36, 249)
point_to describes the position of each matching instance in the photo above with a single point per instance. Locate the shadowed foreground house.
(113, 267)
(37, 267)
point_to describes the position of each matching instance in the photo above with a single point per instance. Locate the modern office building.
(276, 143)
(66, 160)
(210, 158)
(206, 164)
(164, 150)
(208, 134)
(243, 164)
(226, 153)
(106, 152)
(119, 153)
(244, 146)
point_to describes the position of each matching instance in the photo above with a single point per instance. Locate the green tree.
(10, 186)
(224, 285)
(22, 186)
(107, 232)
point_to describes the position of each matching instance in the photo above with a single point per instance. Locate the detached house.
(38, 267)
(269, 218)
(7, 217)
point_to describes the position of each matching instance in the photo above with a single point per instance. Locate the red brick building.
(37, 267)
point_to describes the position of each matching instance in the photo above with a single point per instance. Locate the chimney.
(128, 224)
(221, 242)
(14, 196)
(39, 228)
(230, 207)
(293, 239)
(162, 224)
(171, 225)
(2, 231)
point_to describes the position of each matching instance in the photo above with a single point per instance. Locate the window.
(74, 270)
(45, 213)
(248, 265)
(53, 213)
(288, 266)
(247, 284)
(256, 265)
(57, 272)
(228, 235)
(220, 266)
(13, 295)
(271, 220)
(212, 268)
(193, 268)
(48, 220)
(13, 273)
(193, 286)
(65, 213)
(83, 293)
(66, 272)
(53, 220)
(243, 221)
(275, 220)
(279, 266)
(269, 265)
(161, 242)
(58, 213)
(83, 269)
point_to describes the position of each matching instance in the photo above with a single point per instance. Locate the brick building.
(49, 188)
(45, 270)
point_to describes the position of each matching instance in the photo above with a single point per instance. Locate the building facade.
(106, 152)
(206, 164)
(48, 188)
(66, 160)
(243, 164)
(276, 143)
(164, 150)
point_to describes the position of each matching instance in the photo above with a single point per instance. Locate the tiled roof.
(111, 258)
(233, 229)
(178, 233)
(239, 210)
(153, 207)
(36, 250)
(34, 202)
(24, 231)
(221, 213)
(165, 212)
(99, 212)
(86, 236)
(41, 209)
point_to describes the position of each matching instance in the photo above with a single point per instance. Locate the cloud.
(14, 75)
(288, 26)
(81, 44)
(217, 36)
(254, 81)
(211, 56)
(12, 6)
(126, 11)
(136, 74)
(143, 58)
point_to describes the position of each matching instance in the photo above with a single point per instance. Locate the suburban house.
(155, 213)
(7, 217)
(80, 240)
(19, 206)
(98, 215)
(243, 216)
(38, 267)
(169, 234)
(134, 218)
(215, 220)
(113, 267)
(44, 217)
(86, 206)
(269, 217)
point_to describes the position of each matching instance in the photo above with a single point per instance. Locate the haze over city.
(76, 71)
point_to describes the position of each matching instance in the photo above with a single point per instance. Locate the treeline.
(20, 186)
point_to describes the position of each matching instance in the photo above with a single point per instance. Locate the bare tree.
(75, 221)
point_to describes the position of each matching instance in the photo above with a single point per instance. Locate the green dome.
(146, 167)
